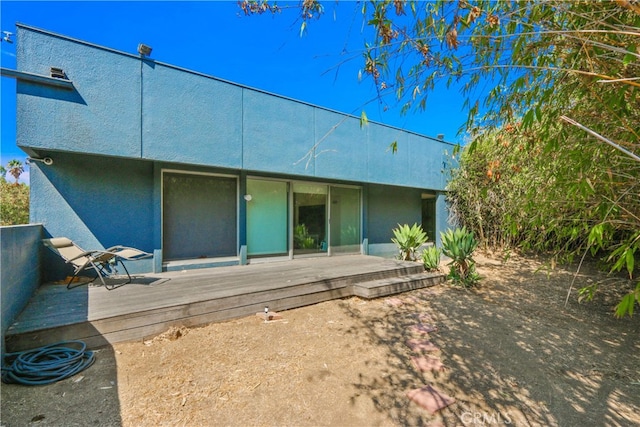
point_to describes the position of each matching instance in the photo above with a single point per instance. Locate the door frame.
(329, 252)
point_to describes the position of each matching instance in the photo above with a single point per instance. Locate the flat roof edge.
(201, 74)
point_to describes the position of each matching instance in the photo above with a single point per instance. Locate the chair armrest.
(91, 255)
(85, 254)
(131, 254)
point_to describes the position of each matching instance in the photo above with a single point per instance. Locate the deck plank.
(153, 302)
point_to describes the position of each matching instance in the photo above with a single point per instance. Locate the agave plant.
(459, 245)
(431, 258)
(409, 239)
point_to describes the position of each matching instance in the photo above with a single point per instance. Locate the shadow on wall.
(49, 92)
(96, 202)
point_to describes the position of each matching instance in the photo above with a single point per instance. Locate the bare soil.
(512, 354)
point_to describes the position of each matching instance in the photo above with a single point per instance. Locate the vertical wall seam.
(141, 110)
(242, 128)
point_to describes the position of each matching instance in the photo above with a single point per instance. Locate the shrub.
(409, 239)
(431, 258)
(14, 203)
(459, 245)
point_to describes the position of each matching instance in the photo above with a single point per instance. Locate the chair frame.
(103, 262)
(100, 262)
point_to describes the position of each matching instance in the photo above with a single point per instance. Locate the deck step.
(395, 285)
(158, 301)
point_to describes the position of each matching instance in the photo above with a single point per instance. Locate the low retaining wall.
(20, 265)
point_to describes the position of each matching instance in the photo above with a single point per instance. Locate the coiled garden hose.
(48, 364)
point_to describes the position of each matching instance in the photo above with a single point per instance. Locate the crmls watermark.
(484, 418)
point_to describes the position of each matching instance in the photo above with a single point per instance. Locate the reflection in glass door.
(309, 218)
(345, 220)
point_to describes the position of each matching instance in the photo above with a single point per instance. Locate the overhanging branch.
(601, 138)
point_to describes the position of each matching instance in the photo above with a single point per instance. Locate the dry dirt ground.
(512, 354)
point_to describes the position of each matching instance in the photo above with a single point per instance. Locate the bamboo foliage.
(552, 95)
(557, 73)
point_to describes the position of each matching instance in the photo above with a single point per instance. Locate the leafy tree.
(14, 198)
(553, 110)
(14, 203)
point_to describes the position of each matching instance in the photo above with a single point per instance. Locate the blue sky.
(213, 37)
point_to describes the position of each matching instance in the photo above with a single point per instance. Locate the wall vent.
(58, 73)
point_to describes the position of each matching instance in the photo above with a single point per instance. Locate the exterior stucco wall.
(390, 206)
(102, 114)
(97, 202)
(129, 118)
(277, 133)
(188, 118)
(19, 270)
(443, 220)
(126, 106)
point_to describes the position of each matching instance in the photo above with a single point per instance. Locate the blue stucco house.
(200, 171)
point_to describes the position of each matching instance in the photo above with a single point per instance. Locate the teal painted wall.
(126, 106)
(188, 118)
(97, 202)
(102, 114)
(390, 206)
(128, 118)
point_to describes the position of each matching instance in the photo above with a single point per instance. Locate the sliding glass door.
(309, 218)
(302, 218)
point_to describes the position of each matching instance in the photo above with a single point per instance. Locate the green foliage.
(309, 9)
(532, 176)
(14, 203)
(431, 258)
(409, 239)
(459, 245)
(553, 107)
(301, 238)
(364, 120)
(628, 302)
(14, 198)
(513, 189)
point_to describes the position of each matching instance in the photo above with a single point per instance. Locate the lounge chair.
(104, 262)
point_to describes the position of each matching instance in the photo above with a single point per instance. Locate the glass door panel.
(345, 220)
(309, 218)
(266, 217)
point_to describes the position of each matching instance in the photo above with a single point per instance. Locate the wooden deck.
(154, 302)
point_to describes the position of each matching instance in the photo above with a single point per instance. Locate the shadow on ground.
(513, 352)
(88, 398)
